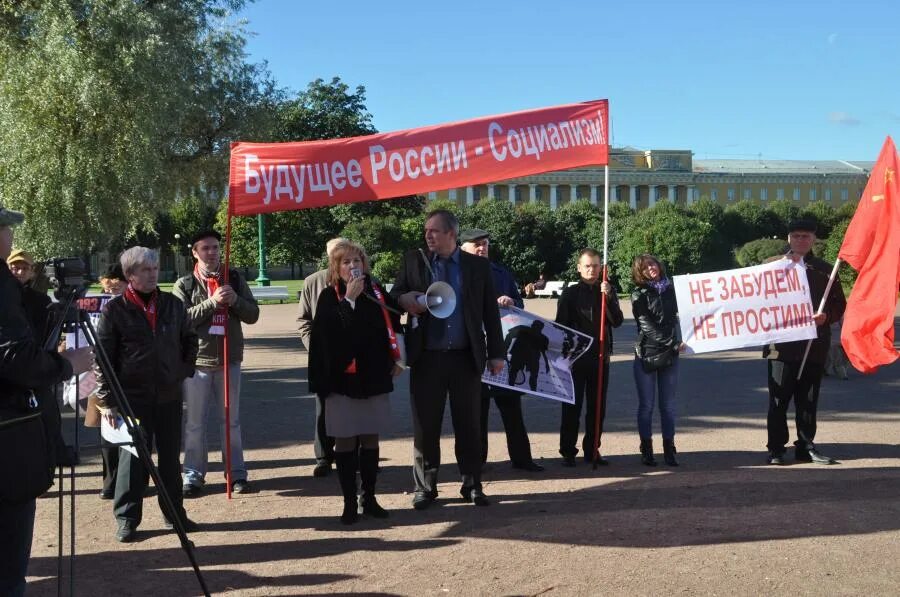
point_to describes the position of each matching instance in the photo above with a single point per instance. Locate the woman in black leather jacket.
(656, 353)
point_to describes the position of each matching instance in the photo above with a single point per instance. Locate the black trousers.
(323, 445)
(585, 380)
(435, 376)
(509, 404)
(784, 385)
(110, 457)
(161, 426)
(16, 531)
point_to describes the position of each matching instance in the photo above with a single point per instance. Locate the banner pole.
(834, 271)
(600, 402)
(227, 384)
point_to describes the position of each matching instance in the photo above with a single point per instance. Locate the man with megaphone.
(448, 349)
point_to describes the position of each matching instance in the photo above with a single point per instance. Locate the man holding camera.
(24, 366)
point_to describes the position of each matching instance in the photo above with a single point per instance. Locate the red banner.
(269, 177)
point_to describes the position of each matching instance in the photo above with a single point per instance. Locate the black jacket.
(340, 334)
(817, 273)
(579, 308)
(479, 304)
(150, 365)
(656, 316)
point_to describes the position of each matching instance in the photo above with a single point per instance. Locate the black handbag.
(25, 459)
(658, 360)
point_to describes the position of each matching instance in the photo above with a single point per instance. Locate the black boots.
(346, 469)
(368, 473)
(669, 452)
(647, 453)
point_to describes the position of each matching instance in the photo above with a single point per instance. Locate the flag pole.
(227, 384)
(600, 402)
(834, 271)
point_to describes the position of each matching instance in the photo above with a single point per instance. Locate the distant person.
(656, 354)
(579, 308)
(353, 359)
(113, 283)
(313, 285)
(538, 284)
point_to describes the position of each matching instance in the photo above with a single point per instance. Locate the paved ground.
(723, 523)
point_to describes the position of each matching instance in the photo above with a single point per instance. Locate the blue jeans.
(202, 393)
(16, 529)
(666, 380)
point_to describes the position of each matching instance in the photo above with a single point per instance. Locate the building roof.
(782, 166)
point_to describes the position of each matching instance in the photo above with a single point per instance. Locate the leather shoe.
(423, 499)
(242, 486)
(107, 495)
(189, 525)
(601, 461)
(775, 458)
(189, 490)
(322, 469)
(568, 461)
(126, 531)
(531, 466)
(813, 456)
(474, 494)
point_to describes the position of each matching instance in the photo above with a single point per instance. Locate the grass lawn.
(293, 286)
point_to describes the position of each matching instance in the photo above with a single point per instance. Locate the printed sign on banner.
(271, 177)
(539, 356)
(740, 308)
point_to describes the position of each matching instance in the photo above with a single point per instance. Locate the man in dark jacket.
(212, 304)
(152, 348)
(579, 308)
(509, 402)
(784, 359)
(448, 356)
(24, 366)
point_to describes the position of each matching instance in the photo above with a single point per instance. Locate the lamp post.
(263, 278)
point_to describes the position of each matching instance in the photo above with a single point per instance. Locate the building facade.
(643, 178)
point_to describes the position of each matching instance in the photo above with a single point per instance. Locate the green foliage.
(244, 247)
(109, 108)
(824, 215)
(323, 111)
(746, 220)
(831, 249)
(785, 211)
(758, 251)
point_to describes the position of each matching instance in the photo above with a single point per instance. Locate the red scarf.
(220, 316)
(149, 308)
(393, 347)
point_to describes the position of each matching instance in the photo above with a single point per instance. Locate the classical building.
(642, 178)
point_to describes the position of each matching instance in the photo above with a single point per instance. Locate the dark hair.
(114, 272)
(589, 252)
(205, 234)
(637, 268)
(448, 219)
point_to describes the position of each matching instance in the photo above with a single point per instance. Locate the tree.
(108, 108)
(824, 215)
(746, 220)
(758, 251)
(784, 211)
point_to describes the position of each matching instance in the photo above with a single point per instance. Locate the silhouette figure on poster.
(525, 345)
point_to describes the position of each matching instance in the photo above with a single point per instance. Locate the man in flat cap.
(509, 402)
(785, 358)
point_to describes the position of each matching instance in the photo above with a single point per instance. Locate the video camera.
(67, 275)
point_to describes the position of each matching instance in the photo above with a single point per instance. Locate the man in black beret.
(509, 402)
(785, 358)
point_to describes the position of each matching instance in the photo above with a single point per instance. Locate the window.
(796, 193)
(476, 194)
(746, 193)
(812, 194)
(779, 194)
(538, 194)
(845, 194)
(518, 196)
(828, 194)
(731, 194)
(763, 194)
(713, 194)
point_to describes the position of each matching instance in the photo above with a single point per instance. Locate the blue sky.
(796, 79)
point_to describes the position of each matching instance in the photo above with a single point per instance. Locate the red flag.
(872, 246)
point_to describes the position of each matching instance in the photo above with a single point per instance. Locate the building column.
(593, 194)
(672, 195)
(512, 194)
(490, 192)
(573, 193)
(553, 196)
(690, 194)
(532, 193)
(470, 195)
(632, 196)
(651, 195)
(451, 194)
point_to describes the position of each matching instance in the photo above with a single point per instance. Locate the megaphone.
(439, 299)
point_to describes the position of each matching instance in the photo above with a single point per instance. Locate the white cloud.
(843, 118)
(832, 39)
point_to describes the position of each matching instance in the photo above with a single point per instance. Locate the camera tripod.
(72, 318)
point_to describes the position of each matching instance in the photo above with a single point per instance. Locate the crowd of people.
(168, 352)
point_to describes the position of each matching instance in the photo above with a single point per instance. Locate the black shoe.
(531, 466)
(647, 458)
(812, 455)
(775, 458)
(568, 461)
(349, 515)
(242, 486)
(474, 495)
(423, 499)
(190, 490)
(189, 525)
(601, 461)
(107, 494)
(369, 506)
(126, 531)
(323, 469)
(669, 452)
